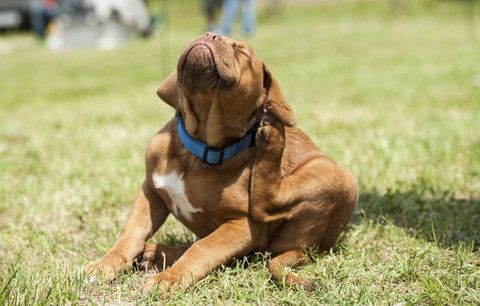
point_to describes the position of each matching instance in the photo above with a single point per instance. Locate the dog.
(232, 167)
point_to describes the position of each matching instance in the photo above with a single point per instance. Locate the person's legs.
(210, 8)
(229, 11)
(248, 16)
(40, 16)
(38, 19)
(51, 14)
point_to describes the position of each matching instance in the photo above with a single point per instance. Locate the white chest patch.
(175, 187)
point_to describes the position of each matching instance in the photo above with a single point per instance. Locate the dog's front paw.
(166, 281)
(108, 266)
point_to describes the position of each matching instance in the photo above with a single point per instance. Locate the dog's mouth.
(207, 60)
(198, 61)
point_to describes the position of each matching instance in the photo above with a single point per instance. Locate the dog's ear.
(168, 90)
(275, 100)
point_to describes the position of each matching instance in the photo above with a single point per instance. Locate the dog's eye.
(241, 51)
(227, 83)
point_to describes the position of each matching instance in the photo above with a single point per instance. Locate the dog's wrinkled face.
(218, 86)
(212, 60)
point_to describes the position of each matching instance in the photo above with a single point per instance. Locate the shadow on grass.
(443, 219)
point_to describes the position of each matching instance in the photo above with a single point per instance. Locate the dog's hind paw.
(271, 134)
(270, 139)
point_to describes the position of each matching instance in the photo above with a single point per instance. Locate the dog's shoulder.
(161, 146)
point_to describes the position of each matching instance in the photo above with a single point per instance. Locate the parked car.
(14, 13)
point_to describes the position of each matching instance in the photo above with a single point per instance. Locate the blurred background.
(390, 89)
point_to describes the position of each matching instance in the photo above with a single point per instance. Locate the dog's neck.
(215, 155)
(215, 131)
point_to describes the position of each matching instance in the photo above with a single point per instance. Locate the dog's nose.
(212, 36)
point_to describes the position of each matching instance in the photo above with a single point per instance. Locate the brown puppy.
(279, 195)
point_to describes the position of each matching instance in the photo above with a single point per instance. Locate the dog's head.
(219, 86)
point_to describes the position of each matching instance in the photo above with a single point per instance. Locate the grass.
(391, 95)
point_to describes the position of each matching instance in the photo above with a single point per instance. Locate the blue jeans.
(40, 16)
(230, 8)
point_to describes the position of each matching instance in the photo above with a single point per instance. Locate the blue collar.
(214, 156)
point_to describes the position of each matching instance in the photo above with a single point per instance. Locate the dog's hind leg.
(160, 256)
(293, 258)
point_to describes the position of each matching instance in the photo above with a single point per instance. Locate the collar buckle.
(207, 150)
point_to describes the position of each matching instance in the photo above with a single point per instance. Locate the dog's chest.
(174, 185)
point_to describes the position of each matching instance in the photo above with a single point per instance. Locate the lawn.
(394, 96)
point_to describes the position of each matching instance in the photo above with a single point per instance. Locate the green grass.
(389, 95)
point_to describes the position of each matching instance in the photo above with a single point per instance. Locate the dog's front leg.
(148, 214)
(231, 239)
